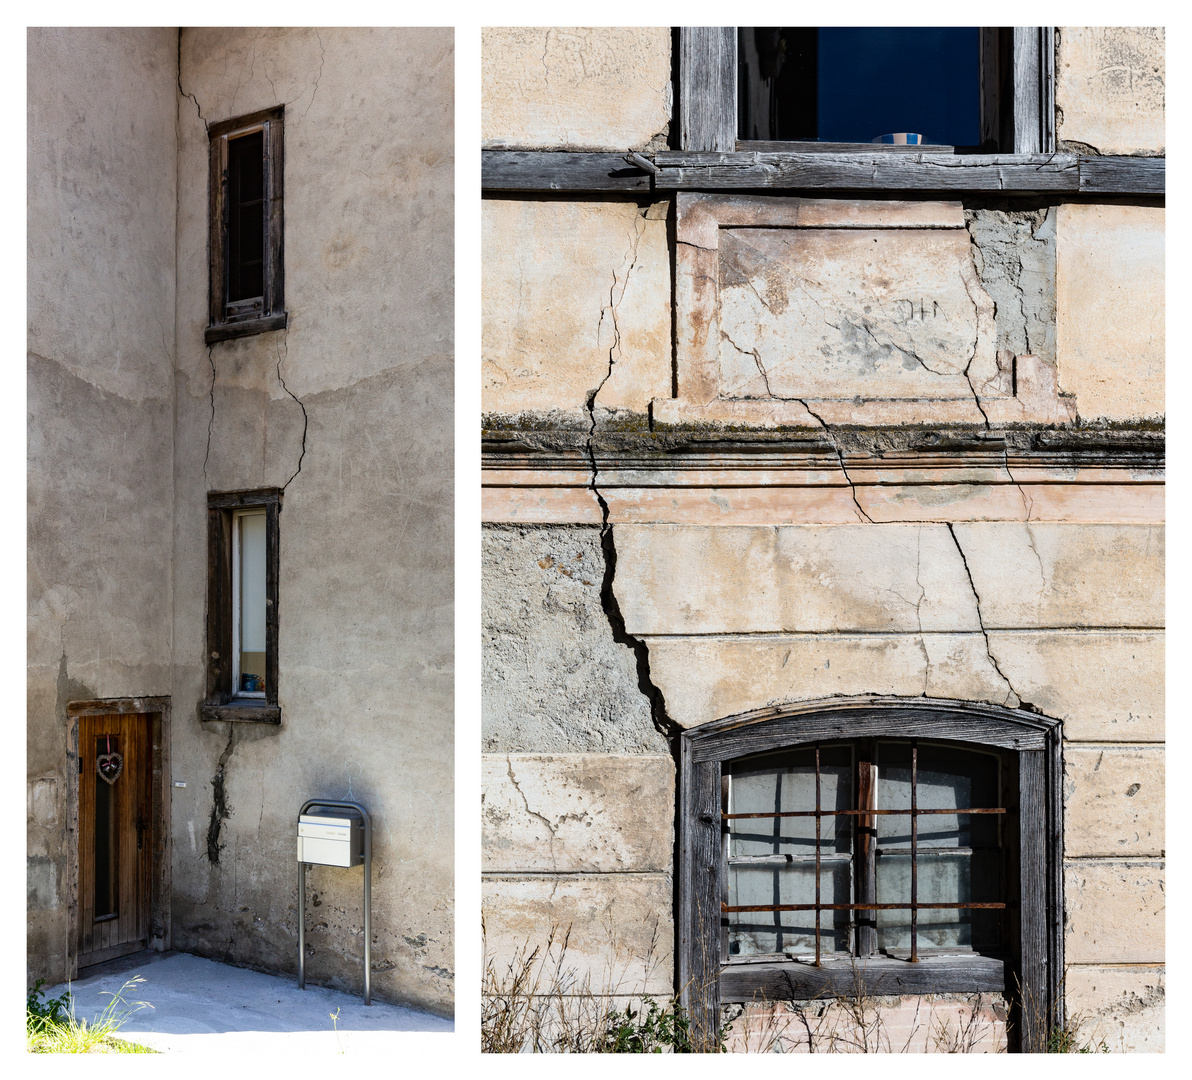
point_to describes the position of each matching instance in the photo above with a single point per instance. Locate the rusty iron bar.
(895, 813)
(914, 852)
(818, 819)
(859, 907)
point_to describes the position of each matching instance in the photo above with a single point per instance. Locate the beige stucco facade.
(134, 419)
(781, 480)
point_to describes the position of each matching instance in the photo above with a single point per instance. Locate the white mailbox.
(330, 839)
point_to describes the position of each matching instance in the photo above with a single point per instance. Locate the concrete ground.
(204, 1007)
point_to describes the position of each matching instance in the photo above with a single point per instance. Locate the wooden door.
(115, 835)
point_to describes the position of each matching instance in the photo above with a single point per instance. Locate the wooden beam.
(543, 171)
(959, 174)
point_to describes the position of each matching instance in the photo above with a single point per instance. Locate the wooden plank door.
(115, 836)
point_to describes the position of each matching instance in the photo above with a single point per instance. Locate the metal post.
(367, 896)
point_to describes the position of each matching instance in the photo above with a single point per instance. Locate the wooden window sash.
(704, 979)
(228, 319)
(1017, 92)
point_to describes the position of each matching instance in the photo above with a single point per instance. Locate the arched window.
(909, 845)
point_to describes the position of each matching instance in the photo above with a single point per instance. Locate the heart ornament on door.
(110, 766)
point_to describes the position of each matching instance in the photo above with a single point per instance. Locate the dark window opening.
(246, 272)
(860, 84)
(246, 218)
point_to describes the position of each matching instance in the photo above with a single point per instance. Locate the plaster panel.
(1113, 801)
(1115, 912)
(675, 579)
(575, 88)
(617, 927)
(1106, 686)
(1055, 575)
(1110, 310)
(1124, 1006)
(589, 813)
(576, 302)
(706, 678)
(1110, 88)
(835, 313)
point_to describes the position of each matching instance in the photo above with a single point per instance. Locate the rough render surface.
(349, 410)
(1113, 801)
(618, 928)
(576, 303)
(577, 813)
(1124, 1006)
(1110, 89)
(1014, 253)
(1111, 310)
(101, 131)
(553, 677)
(1115, 911)
(576, 88)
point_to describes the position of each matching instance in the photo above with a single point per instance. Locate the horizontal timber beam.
(1035, 174)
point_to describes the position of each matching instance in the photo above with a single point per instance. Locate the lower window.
(894, 848)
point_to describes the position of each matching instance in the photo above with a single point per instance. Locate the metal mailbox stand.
(367, 896)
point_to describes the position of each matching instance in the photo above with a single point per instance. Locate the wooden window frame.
(1017, 93)
(705, 981)
(223, 324)
(222, 702)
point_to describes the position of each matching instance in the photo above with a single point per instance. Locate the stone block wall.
(951, 515)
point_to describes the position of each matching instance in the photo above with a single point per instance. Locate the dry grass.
(52, 1028)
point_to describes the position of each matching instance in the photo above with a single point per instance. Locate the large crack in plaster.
(220, 811)
(852, 488)
(608, 600)
(1018, 701)
(305, 418)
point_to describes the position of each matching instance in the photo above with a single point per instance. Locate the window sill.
(778, 980)
(224, 331)
(242, 711)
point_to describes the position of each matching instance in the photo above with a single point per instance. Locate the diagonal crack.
(608, 600)
(211, 419)
(533, 813)
(305, 418)
(839, 457)
(981, 622)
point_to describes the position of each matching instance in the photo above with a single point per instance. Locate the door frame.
(156, 710)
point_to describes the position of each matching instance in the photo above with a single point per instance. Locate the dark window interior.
(857, 84)
(246, 217)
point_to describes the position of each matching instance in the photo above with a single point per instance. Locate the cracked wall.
(1111, 89)
(101, 214)
(778, 548)
(349, 411)
(576, 88)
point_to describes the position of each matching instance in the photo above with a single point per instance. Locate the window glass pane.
(858, 83)
(246, 216)
(751, 933)
(947, 778)
(776, 783)
(252, 602)
(945, 879)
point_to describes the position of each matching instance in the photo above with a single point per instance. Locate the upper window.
(246, 226)
(907, 85)
(987, 89)
(242, 530)
(910, 847)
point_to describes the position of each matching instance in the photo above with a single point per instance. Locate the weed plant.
(52, 1028)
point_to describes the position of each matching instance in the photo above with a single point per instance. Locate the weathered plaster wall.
(350, 411)
(101, 209)
(1110, 310)
(576, 88)
(575, 305)
(1110, 89)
